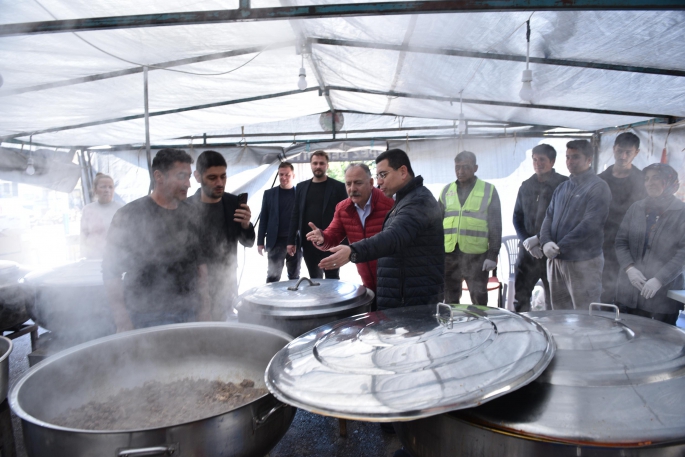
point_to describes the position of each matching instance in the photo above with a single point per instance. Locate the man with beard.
(154, 266)
(626, 183)
(315, 202)
(226, 222)
(358, 217)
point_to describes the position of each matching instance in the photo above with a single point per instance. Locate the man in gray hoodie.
(572, 233)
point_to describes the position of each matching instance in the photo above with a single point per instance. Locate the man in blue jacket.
(572, 233)
(277, 209)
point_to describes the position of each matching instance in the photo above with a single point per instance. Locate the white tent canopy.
(82, 89)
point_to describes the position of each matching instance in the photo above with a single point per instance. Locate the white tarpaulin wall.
(637, 38)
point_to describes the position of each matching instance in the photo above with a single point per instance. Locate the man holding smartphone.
(227, 221)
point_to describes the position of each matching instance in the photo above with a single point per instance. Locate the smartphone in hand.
(242, 198)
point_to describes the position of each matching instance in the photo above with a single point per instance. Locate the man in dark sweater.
(472, 221)
(274, 223)
(627, 185)
(226, 222)
(573, 232)
(531, 205)
(315, 202)
(155, 262)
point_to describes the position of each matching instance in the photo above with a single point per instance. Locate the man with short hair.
(472, 222)
(154, 267)
(356, 218)
(572, 233)
(226, 222)
(627, 186)
(410, 247)
(277, 209)
(531, 205)
(315, 201)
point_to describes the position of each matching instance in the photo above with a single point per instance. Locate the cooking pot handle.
(311, 283)
(448, 318)
(259, 421)
(148, 451)
(598, 305)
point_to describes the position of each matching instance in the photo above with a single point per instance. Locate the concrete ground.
(309, 434)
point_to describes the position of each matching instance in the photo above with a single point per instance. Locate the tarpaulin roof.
(83, 85)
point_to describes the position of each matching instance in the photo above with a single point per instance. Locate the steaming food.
(157, 404)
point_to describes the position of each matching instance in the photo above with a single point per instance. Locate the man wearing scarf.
(650, 247)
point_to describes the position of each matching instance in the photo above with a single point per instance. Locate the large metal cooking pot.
(406, 363)
(5, 351)
(296, 307)
(13, 297)
(97, 369)
(616, 387)
(70, 300)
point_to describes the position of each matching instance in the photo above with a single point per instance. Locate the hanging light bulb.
(526, 92)
(462, 118)
(302, 82)
(30, 169)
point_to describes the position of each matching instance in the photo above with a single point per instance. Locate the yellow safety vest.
(466, 226)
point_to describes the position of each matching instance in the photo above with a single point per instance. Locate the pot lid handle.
(443, 318)
(311, 283)
(599, 305)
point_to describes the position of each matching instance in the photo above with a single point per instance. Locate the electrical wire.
(152, 66)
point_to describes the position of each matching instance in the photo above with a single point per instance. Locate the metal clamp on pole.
(148, 451)
(599, 305)
(297, 286)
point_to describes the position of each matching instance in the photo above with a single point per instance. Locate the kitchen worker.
(277, 209)
(410, 247)
(626, 183)
(154, 266)
(97, 217)
(472, 222)
(572, 233)
(358, 217)
(315, 202)
(226, 223)
(531, 205)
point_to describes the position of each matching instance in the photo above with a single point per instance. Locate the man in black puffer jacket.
(410, 248)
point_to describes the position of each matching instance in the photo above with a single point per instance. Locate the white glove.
(489, 265)
(651, 287)
(636, 278)
(531, 242)
(551, 249)
(536, 251)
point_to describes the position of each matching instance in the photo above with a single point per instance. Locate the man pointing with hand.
(358, 217)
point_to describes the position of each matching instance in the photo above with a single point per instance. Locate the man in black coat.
(627, 185)
(315, 201)
(274, 224)
(410, 248)
(531, 205)
(226, 223)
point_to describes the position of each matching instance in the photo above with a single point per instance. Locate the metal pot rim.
(13, 396)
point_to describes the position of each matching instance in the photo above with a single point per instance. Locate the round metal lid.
(408, 363)
(304, 297)
(85, 272)
(615, 379)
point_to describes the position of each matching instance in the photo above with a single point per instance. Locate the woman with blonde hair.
(97, 217)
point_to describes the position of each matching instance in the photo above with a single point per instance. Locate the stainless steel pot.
(297, 307)
(97, 369)
(616, 387)
(13, 297)
(70, 300)
(5, 351)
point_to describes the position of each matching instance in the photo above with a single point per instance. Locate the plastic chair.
(511, 244)
(493, 284)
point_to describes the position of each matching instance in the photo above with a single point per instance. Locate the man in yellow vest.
(472, 221)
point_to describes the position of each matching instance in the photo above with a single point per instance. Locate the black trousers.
(609, 275)
(279, 254)
(312, 257)
(661, 317)
(528, 272)
(468, 267)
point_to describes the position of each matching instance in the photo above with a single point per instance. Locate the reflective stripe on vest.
(466, 226)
